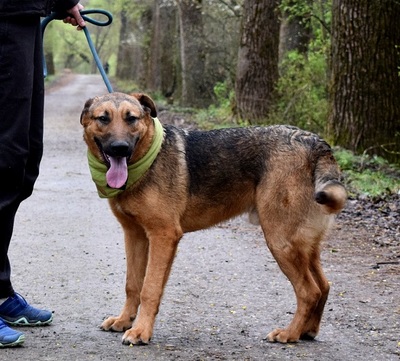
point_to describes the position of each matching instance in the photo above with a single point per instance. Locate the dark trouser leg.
(7, 216)
(21, 124)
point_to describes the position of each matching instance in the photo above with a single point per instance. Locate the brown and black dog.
(286, 179)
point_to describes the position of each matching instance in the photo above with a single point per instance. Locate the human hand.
(76, 18)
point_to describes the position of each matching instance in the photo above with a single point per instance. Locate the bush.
(302, 92)
(366, 175)
(218, 115)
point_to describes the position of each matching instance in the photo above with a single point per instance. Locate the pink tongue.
(118, 173)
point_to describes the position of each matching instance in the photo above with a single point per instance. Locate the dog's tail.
(329, 191)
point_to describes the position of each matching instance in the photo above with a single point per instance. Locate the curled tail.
(329, 191)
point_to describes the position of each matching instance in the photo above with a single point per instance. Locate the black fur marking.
(240, 152)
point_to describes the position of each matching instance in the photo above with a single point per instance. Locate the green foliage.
(70, 50)
(218, 115)
(371, 176)
(296, 8)
(125, 86)
(302, 91)
(69, 46)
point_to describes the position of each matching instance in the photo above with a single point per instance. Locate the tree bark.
(365, 82)
(125, 61)
(257, 70)
(163, 59)
(195, 89)
(49, 59)
(133, 50)
(295, 30)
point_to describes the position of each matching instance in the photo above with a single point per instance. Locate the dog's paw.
(308, 336)
(282, 336)
(136, 336)
(116, 324)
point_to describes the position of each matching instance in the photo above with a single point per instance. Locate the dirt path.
(225, 292)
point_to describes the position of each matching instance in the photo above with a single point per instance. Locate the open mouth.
(117, 173)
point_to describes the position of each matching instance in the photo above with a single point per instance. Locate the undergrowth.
(368, 175)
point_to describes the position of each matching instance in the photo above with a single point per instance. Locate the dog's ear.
(86, 107)
(146, 102)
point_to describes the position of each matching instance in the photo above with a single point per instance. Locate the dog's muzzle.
(119, 148)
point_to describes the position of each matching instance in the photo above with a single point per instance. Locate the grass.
(368, 175)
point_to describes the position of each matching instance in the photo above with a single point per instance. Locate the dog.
(163, 181)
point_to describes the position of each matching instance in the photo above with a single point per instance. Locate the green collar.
(136, 170)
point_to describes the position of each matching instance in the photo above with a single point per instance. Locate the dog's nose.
(119, 148)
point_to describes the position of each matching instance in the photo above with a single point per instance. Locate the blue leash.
(60, 16)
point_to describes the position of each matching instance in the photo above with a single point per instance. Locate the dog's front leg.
(163, 243)
(136, 249)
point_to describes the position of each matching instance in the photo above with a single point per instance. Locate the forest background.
(328, 66)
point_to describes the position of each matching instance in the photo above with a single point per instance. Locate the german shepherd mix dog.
(163, 181)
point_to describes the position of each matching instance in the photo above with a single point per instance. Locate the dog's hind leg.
(312, 327)
(293, 257)
(293, 229)
(136, 249)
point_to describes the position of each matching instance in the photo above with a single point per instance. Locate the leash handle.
(84, 13)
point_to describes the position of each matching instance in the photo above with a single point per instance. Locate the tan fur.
(293, 196)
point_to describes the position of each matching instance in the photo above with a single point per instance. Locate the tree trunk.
(133, 50)
(295, 30)
(164, 47)
(195, 90)
(257, 71)
(365, 82)
(125, 61)
(49, 59)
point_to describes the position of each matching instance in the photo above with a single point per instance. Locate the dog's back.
(227, 170)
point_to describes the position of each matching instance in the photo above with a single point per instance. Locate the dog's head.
(118, 129)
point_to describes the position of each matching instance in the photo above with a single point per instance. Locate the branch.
(383, 146)
(323, 23)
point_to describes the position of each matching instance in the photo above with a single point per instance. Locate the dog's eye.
(131, 119)
(103, 119)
